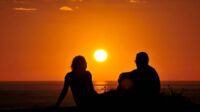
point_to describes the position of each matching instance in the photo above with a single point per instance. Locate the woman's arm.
(90, 84)
(64, 92)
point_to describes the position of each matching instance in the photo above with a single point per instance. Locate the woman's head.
(79, 63)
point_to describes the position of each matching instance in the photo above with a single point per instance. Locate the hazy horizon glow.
(39, 38)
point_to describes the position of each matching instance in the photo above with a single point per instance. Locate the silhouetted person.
(80, 82)
(145, 80)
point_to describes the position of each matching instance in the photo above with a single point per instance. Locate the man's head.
(142, 60)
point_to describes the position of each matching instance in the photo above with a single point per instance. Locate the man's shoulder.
(126, 73)
(151, 69)
(125, 76)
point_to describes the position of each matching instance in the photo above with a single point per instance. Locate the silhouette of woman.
(80, 82)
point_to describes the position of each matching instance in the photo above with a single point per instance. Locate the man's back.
(145, 87)
(146, 81)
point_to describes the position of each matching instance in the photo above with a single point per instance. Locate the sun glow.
(100, 55)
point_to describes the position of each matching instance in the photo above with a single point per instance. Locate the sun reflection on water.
(104, 86)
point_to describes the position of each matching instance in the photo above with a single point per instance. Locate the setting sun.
(100, 55)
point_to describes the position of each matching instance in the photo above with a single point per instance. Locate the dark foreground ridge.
(109, 102)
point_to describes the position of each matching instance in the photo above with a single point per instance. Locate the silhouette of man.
(80, 82)
(145, 80)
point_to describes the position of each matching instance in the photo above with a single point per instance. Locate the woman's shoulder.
(68, 75)
(88, 73)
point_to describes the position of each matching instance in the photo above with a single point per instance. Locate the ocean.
(20, 95)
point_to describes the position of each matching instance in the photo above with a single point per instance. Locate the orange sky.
(39, 38)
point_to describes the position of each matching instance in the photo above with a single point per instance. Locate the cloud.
(134, 1)
(137, 1)
(65, 8)
(24, 9)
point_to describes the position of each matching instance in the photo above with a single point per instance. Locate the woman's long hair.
(79, 63)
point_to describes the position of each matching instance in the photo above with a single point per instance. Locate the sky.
(39, 38)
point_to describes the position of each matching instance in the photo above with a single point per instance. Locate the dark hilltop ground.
(172, 102)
